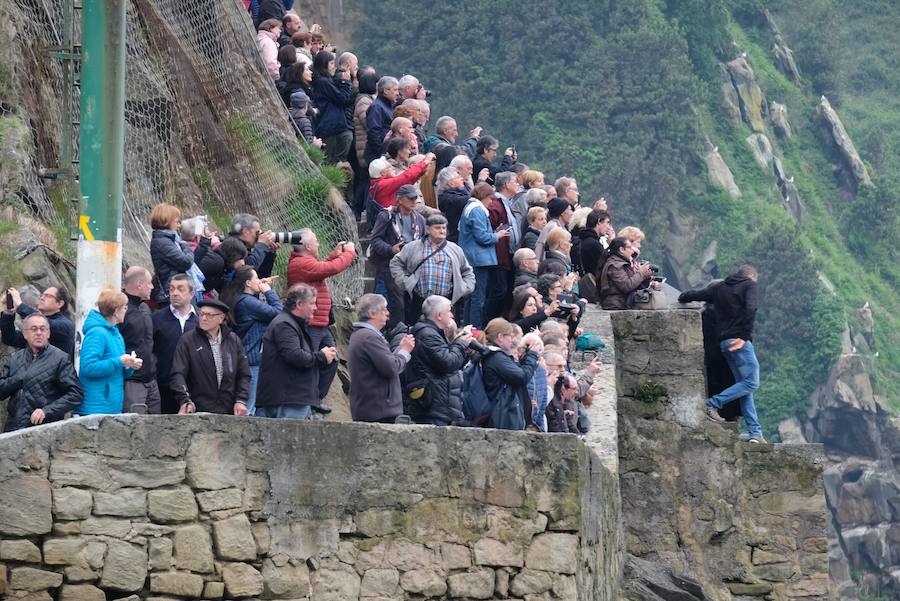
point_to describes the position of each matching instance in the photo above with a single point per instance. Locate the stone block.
(24, 551)
(454, 557)
(775, 572)
(152, 530)
(33, 596)
(553, 552)
(66, 528)
(125, 502)
(71, 503)
(335, 585)
(256, 491)
(124, 567)
(80, 469)
(428, 583)
(501, 583)
(32, 579)
(531, 582)
(215, 461)
(114, 527)
(179, 584)
(146, 473)
(302, 540)
(407, 555)
(217, 500)
(379, 583)
(751, 589)
(565, 588)
(172, 505)
(262, 537)
(286, 581)
(234, 539)
(25, 506)
(76, 574)
(214, 590)
(491, 552)
(477, 584)
(193, 549)
(64, 551)
(3, 579)
(81, 592)
(160, 551)
(242, 580)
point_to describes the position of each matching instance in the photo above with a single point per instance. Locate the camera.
(653, 268)
(287, 237)
(477, 347)
(9, 302)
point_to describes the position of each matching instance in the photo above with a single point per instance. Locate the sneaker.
(758, 439)
(712, 415)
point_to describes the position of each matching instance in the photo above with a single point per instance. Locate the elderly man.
(53, 304)
(39, 379)
(432, 266)
(443, 142)
(394, 229)
(501, 215)
(169, 325)
(411, 89)
(433, 379)
(305, 267)
(290, 24)
(141, 389)
(421, 120)
(453, 197)
(379, 117)
(375, 393)
(210, 372)
(526, 264)
(289, 372)
(567, 189)
(261, 246)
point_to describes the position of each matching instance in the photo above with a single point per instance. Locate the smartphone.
(9, 302)
(501, 228)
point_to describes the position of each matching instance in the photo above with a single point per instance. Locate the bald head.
(138, 282)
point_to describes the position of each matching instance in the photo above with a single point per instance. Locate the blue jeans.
(254, 379)
(474, 313)
(284, 412)
(745, 369)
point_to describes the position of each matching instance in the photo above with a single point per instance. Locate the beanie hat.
(298, 99)
(557, 207)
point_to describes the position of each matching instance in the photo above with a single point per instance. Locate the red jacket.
(388, 186)
(309, 270)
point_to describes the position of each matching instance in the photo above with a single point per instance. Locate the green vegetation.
(622, 95)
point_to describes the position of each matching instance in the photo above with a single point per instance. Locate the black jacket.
(169, 257)
(44, 381)
(436, 364)
(270, 9)
(451, 202)
(575, 250)
(523, 276)
(62, 330)
(166, 334)
(555, 262)
(530, 238)
(137, 332)
(289, 369)
(735, 299)
(479, 163)
(213, 267)
(505, 378)
(592, 252)
(193, 375)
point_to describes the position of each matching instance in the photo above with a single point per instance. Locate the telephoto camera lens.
(287, 237)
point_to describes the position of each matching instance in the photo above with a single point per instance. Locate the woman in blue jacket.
(332, 96)
(478, 241)
(104, 364)
(251, 317)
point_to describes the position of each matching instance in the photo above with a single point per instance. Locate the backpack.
(477, 406)
(589, 342)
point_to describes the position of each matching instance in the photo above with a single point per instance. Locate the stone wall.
(219, 507)
(727, 520)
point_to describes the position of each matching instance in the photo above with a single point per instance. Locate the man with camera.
(261, 245)
(53, 304)
(393, 229)
(39, 380)
(433, 378)
(305, 267)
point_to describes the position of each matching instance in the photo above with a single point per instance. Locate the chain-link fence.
(205, 127)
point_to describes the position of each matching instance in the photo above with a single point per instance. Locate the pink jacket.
(268, 47)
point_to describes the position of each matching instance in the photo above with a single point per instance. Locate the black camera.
(287, 237)
(9, 302)
(653, 268)
(476, 346)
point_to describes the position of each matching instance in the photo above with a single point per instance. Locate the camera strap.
(434, 252)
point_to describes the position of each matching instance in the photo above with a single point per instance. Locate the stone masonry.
(213, 507)
(739, 520)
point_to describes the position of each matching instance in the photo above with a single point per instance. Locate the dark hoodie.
(735, 299)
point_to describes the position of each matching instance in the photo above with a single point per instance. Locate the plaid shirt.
(436, 274)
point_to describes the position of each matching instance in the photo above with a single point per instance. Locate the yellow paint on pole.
(84, 219)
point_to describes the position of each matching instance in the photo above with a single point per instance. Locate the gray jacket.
(405, 268)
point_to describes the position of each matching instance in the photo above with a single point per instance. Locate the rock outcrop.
(836, 135)
(782, 55)
(720, 174)
(752, 102)
(717, 518)
(216, 506)
(778, 118)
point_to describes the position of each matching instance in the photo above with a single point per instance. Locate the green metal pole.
(102, 146)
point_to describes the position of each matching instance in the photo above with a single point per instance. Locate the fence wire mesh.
(205, 128)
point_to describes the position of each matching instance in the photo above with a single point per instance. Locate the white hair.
(407, 81)
(443, 123)
(460, 160)
(434, 304)
(579, 217)
(377, 167)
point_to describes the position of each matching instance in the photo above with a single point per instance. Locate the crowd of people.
(483, 272)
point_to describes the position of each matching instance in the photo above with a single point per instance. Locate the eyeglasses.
(38, 329)
(48, 295)
(204, 315)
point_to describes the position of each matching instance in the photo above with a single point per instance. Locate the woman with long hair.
(251, 317)
(332, 96)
